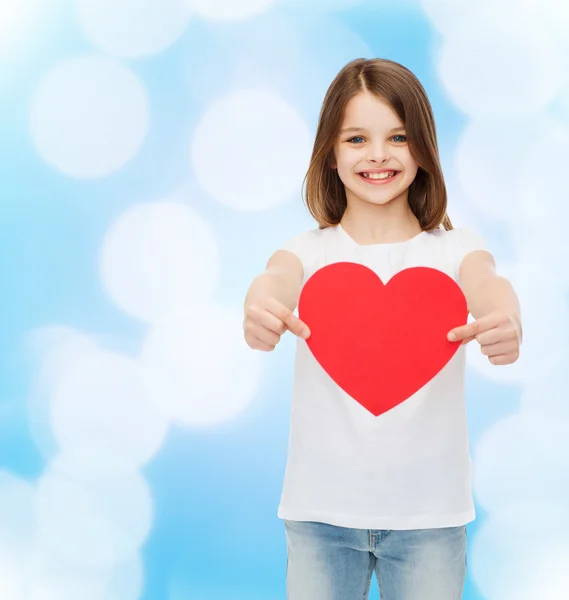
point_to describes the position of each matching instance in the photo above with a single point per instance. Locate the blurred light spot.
(133, 28)
(267, 52)
(10, 578)
(16, 19)
(158, 257)
(322, 59)
(17, 518)
(89, 116)
(13, 15)
(96, 523)
(544, 336)
(446, 15)
(54, 349)
(522, 560)
(548, 393)
(228, 9)
(539, 224)
(104, 402)
(49, 577)
(201, 369)
(522, 456)
(251, 150)
(510, 71)
(126, 582)
(323, 5)
(492, 156)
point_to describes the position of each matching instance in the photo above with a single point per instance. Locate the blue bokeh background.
(214, 487)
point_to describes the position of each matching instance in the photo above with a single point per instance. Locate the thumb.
(296, 326)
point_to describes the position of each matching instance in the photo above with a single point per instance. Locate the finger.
(467, 340)
(503, 333)
(463, 333)
(254, 330)
(298, 327)
(517, 328)
(492, 336)
(256, 344)
(266, 336)
(272, 323)
(292, 322)
(499, 348)
(473, 329)
(504, 359)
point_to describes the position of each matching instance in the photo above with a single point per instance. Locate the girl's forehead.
(369, 111)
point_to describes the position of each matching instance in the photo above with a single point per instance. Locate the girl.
(388, 493)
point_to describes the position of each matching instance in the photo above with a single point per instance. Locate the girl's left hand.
(499, 335)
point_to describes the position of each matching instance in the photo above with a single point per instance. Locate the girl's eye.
(359, 137)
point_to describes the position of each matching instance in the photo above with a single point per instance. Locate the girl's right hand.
(265, 322)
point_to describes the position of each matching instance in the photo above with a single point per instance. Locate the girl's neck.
(373, 224)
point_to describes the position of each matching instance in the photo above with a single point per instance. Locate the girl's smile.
(381, 177)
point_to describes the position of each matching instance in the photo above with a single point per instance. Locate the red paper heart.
(381, 343)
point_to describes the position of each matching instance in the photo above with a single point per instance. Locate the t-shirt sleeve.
(464, 241)
(303, 246)
(297, 245)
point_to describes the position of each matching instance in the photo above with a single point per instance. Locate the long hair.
(402, 91)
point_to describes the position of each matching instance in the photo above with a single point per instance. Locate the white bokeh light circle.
(89, 116)
(553, 16)
(91, 463)
(158, 257)
(443, 14)
(538, 225)
(48, 577)
(93, 524)
(17, 518)
(325, 5)
(127, 581)
(54, 349)
(543, 330)
(228, 10)
(322, 59)
(268, 52)
(501, 552)
(508, 72)
(491, 157)
(104, 402)
(250, 151)
(540, 192)
(11, 577)
(201, 369)
(133, 28)
(548, 393)
(446, 15)
(521, 456)
(51, 578)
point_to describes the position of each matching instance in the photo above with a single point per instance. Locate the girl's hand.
(267, 320)
(499, 335)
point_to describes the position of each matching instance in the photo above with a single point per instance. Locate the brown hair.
(396, 85)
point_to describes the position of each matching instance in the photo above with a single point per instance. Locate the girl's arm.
(282, 279)
(494, 304)
(271, 300)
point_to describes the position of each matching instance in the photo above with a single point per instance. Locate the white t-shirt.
(408, 468)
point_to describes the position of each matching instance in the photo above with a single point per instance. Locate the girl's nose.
(378, 154)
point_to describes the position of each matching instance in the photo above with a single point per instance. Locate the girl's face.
(371, 140)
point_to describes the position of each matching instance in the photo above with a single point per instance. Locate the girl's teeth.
(384, 175)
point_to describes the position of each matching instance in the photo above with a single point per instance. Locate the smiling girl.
(390, 493)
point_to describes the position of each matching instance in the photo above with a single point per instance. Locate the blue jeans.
(326, 562)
